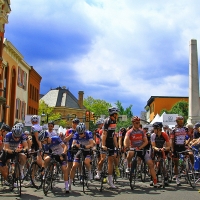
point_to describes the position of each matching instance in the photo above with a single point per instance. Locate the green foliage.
(98, 106)
(48, 111)
(123, 111)
(180, 108)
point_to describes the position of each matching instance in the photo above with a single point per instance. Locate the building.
(65, 103)
(157, 103)
(18, 77)
(33, 92)
(4, 11)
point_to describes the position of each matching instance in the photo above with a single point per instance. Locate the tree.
(180, 108)
(48, 111)
(98, 106)
(126, 112)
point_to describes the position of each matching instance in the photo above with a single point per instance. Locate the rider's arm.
(145, 142)
(104, 136)
(115, 141)
(7, 148)
(64, 148)
(127, 140)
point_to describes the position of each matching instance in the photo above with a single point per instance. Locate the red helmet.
(135, 119)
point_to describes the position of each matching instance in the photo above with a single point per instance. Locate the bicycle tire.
(143, 171)
(103, 175)
(162, 172)
(47, 180)
(190, 175)
(133, 172)
(35, 175)
(17, 188)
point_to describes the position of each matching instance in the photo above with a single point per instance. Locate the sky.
(113, 50)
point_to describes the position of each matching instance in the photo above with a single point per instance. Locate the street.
(142, 192)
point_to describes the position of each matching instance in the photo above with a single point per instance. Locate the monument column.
(194, 108)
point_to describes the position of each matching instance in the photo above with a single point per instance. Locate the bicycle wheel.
(190, 174)
(103, 175)
(84, 177)
(35, 175)
(47, 180)
(133, 172)
(162, 172)
(16, 186)
(169, 168)
(143, 171)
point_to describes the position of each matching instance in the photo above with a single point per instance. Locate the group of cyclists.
(105, 140)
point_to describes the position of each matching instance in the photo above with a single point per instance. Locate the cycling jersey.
(35, 128)
(98, 133)
(136, 137)
(52, 133)
(13, 143)
(83, 140)
(159, 140)
(68, 133)
(179, 136)
(55, 145)
(109, 126)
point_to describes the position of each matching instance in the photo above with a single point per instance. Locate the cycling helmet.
(145, 127)
(42, 135)
(197, 125)
(179, 118)
(76, 121)
(5, 127)
(122, 130)
(113, 110)
(81, 128)
(135, 119)
(100, 121)
(17, 131)
(190, 126)
(20, 124)
(158, 125)
(165, 126)
(51, 122)
(34, 118)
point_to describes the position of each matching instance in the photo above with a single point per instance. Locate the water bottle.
(196, 162)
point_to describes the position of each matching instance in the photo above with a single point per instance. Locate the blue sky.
(126, 50)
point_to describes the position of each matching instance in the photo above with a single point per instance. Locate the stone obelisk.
(194, 108)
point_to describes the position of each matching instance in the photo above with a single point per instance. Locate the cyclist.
(82, 139)
(11, 142)
(3, 131)
(68, 141)
(58, 150)
(136, 138)
(160, 143)
(36, 144)
(50, 130)
(98, 139)
(109, 140)
(178, 139)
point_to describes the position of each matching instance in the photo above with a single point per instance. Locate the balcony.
(3, 17)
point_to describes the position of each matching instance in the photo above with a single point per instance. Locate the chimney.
(80, 98)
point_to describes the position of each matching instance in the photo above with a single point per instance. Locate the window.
(22, 78)
(18, 105)
(23, 110)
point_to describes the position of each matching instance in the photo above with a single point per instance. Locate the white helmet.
(80, 128)
(17, 131)
(34, 118)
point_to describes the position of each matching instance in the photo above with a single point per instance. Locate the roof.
(60, 97)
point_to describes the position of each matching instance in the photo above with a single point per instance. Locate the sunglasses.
(136, 122)
(80, 133)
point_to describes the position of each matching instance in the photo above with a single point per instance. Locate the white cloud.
(137, 49)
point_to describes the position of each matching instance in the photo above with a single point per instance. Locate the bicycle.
(160, 167)
(84, 174)
(189, 170)
(14, 175)
(104, 172)
(51, 174)
(133, 171)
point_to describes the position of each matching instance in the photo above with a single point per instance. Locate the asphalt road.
(142, 192)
